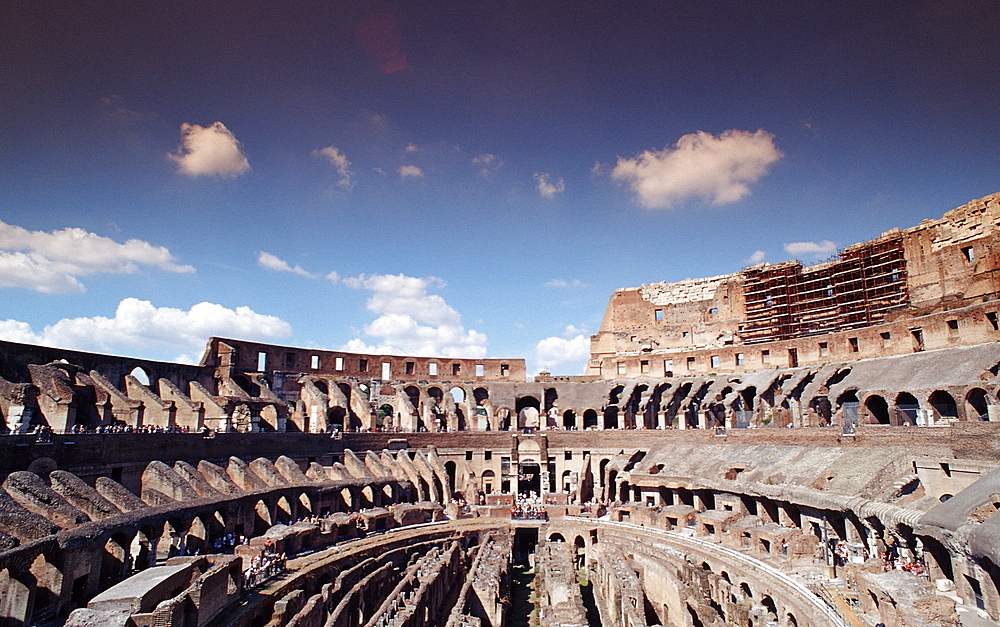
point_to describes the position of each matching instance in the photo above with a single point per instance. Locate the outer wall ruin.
(931, 286)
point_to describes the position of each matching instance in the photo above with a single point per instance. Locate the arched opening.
(261, 518)
(976, 405)
(567, 481)
(590, 419)
(527, 409)
(367, 497)
(458, 394)
(611, 417)
(347, 498)
(197, 535)
(907, 409)
(305, 505)
(944, 405)
(822, 411)
(772, 610)
(283, 512)
(450, 470)
(569, 419)
(488, 481)
(113, 561)
(557, 537)
(383, 420)
(140, 375)
(529, 478)
(878, 409)
(142, 550)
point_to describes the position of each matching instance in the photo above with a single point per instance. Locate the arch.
(283, 511)
(114, 560)
(822, 411)
(878, 409)
(347, 499)
(140, 375)
(976, 406)
(197, 535)
(569, 419)
(907, 408)
(458, 394)
(848, 396)
(567, 481)
(487, 479)
(142, 550)
(384, 418)
(450, 469)
(590, 419)
(611, 417)
(261, 519)
(556, 537)
(602, 466)
(944, 404)
(367, 498)
(305, 504)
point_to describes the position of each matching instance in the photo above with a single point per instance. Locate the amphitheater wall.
(963, 326)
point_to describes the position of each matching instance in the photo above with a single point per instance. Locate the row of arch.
(36, 576)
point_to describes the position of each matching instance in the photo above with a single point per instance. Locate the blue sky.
(458, 178)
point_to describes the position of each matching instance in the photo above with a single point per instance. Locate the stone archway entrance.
(529, 478)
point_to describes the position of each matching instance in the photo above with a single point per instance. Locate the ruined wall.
(249, 356)
(929, 286)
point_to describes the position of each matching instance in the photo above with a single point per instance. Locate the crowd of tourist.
(264, 566)
(531, 507)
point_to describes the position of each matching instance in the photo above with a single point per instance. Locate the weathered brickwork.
(930, 286)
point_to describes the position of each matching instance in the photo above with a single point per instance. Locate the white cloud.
(411, 147)
(138, 327)
(487, 164)
(339, 162)
(558, 355)
(813, 249)
(717, 169)
(209, 151)
(548, 188)
(271, 262)
(572, 330)
(564, 284)
(50, 262)
(410, 171)
(332, 276)
(756, 256)
(412, 321)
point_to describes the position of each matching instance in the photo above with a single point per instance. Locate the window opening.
(314, 361)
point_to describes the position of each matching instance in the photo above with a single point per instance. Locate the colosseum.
(785, 445)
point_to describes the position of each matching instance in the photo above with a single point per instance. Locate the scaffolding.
(857, 289)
